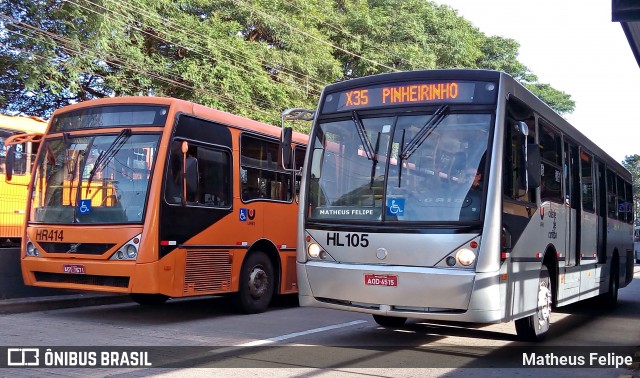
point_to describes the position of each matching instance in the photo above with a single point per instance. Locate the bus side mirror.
(534, 171)
(9, 163)
(285, 147)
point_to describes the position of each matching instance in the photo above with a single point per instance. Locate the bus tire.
(149, 299)
(389, 321)
(609, 299)
(257, 283)
(535, 327)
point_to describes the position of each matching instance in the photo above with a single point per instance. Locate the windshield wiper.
(366, 145)
(424, 132)
(375, 161)
(105, 156)
(364, 138)
(422, 135)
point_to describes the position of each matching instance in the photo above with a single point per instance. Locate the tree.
(632, 163)
(249, 57)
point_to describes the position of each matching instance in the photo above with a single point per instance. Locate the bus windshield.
(93, 179)
(419, 168)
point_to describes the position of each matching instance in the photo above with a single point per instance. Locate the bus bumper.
(424, 293)
(105, 276)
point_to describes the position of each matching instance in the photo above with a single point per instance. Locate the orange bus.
(13, 189)
(162, 198)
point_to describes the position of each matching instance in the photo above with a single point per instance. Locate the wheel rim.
(258, 282)
(544, 304)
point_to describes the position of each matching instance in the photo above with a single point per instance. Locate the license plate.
(380, 280)
(74, 269)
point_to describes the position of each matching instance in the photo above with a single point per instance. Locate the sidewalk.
(30, 304)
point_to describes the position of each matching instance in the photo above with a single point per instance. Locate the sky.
(575, 47)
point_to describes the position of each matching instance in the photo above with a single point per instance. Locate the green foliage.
(249, 57)
(632, 163)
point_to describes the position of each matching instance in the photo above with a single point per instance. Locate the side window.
(629, 202)
(261, 174)
(20, 155)
(207, 181)
(612, 205)
(586, 172)
(551, 150)
(622, 205)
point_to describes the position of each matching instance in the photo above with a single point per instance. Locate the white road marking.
(288, 336)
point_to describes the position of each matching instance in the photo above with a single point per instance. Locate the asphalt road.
(204, 337)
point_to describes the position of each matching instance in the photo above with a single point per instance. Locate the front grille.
(82, 279)
(76, 248)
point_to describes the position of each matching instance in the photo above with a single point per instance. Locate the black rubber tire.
(609, 300)
(536, 326)
(389, 321)
(149, 299)
(257, 284)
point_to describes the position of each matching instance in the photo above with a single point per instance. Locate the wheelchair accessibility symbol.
(84, 207)
(395, 206)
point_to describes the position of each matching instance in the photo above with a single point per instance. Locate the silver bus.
(457, 195)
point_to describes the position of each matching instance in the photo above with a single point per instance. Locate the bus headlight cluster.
(31, 249)
(129, 251)
(315, 251)
(464, 256)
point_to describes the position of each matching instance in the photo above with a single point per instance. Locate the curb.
(31, 304)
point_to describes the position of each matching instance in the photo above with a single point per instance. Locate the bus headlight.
(465, 257)
(314, 250)
(32, 250)
(129, 251)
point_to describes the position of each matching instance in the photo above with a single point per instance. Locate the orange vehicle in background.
(162, 198)
(13, 189)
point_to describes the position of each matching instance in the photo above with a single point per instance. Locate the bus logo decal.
(252, 214)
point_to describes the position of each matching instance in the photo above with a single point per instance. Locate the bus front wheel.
(535, 327)
(257, 283)
(389, 321)
(149, 299)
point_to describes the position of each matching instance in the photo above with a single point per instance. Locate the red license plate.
(74, 269)
(380, 280)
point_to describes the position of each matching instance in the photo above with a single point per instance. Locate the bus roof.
(220, 116)
(28, 124)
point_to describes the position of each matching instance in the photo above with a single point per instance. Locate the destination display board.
(414, 93)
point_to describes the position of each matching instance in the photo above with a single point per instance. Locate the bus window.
(213, 182)
(629, 201)
(299, 153)
(515, 169)
(551, 148)
(262, 175)
(586, 169)
(612, 204)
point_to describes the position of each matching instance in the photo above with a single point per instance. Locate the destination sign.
(411, 94)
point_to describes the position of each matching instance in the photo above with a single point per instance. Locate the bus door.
(572, 204)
